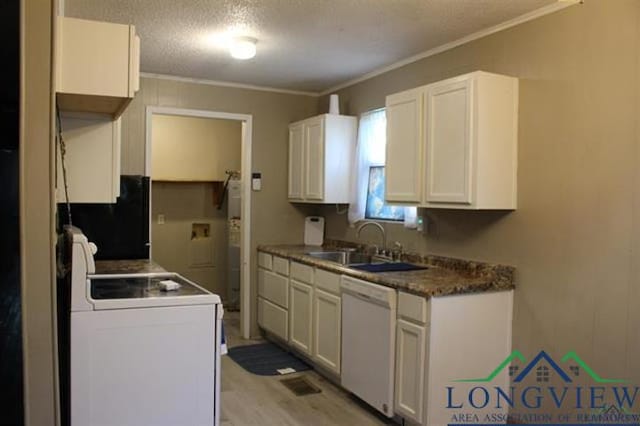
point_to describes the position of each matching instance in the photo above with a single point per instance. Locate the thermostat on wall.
(256, 181)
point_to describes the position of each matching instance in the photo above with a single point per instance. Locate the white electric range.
(140, 355)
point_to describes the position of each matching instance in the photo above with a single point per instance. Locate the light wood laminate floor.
(249, 399)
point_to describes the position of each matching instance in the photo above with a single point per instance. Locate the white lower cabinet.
(410, 368)
(300, 316)
(327, 330)
(442, 340)
(301, 305)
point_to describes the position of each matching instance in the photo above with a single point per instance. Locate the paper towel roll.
(334, 104)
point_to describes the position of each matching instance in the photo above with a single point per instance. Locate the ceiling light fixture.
(243, 47)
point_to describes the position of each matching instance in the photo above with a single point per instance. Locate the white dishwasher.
(368, 342)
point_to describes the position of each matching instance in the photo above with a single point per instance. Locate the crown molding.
(546, 10)
(227, 84)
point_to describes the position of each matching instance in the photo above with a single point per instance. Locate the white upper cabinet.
(321, 151)
(448, 132)
(92, 159)
(467, 144)
(97, 66)
(403, 169)
(296, 160)
(314, 159)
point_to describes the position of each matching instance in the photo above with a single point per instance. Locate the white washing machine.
(140, 355)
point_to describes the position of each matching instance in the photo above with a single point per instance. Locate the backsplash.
(120, 230)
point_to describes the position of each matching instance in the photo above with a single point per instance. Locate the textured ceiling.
(306, 45)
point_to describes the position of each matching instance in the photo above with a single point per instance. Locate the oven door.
(147, 366)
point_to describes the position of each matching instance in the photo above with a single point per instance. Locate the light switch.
(256, 181)
(160, 219)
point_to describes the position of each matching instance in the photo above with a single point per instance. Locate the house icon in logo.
(543, 365)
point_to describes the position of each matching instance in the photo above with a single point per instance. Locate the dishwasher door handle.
(366, 298)
(362, 296)
(357, 294)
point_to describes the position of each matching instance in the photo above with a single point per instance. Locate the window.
(376, 207)
(367, 186)
(542, 374)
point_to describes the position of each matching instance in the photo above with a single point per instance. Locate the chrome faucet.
(377, 225)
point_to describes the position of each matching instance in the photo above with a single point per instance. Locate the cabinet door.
(97, 66)
(403, 170)
(296, 161)
(327, 328)
(134, 62)
(410, 365)
(448, 141)
(314, 160)
(126, 359)
(300, 318)
(92, 159)
(93, 57)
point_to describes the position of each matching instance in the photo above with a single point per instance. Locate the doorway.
(199, 163)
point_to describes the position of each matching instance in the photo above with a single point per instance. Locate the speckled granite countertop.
(135, 266)
(444, 276)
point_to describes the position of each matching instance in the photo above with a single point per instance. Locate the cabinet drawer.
(281, 265)
(302, 273)
(273, 287)
(265, 260)
(92, 159)
(327, 281)
(273, 318)
(414, 308)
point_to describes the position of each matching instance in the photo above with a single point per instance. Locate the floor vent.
(300, 386)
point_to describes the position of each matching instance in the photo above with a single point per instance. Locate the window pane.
(376, 207)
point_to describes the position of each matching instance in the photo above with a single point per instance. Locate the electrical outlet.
(160, 219)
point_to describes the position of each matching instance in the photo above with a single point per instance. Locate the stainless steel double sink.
(364, 262)
(347, 258)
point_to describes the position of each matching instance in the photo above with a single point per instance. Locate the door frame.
(245, 170)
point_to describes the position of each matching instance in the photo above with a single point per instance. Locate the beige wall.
(37, 232)
(182, 205)
(273, 219)
(575, 237)
(194, 148)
